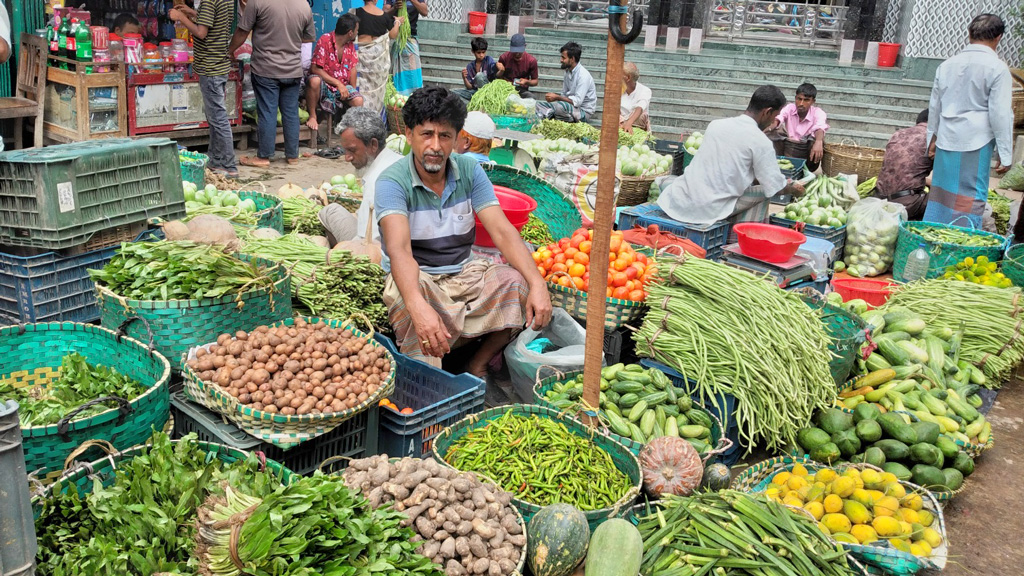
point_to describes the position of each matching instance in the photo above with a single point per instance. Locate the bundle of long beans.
(300, 215)
(492, 98)
(405, 29)
(991, 319)
(731, 332)
(331, 284)
(735, 533)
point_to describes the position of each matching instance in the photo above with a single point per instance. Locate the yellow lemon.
(885, 526)
(854, 475)
(836, 523)
(816, 493)
(887, 506)
(843, 486)
(863, 533)
(844, 538)
(772, 491)
(889, 478)
(908, 515)
(815, 509)
(833, 504)
(932, 537)
(799, 470)
(825, 475)
(796, 482)
(895, 490)
(781, 478)
(913, 501)
(793, 500)
(906, 530)
(876, 495)
(863, 497)
(916, 531)
(917, 550)
(925, 517)
(872, 478)
(856, 512)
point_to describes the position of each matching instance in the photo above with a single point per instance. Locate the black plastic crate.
(353, 438)
(678, 153)
(619, 346)
(438, 399)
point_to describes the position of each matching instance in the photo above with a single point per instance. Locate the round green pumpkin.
(558, 540)
(716, 477)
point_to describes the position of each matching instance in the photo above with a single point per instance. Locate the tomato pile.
(567, 263)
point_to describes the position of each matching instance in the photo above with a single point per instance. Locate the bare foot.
(312, 123)
(292, 161)
(254, 161)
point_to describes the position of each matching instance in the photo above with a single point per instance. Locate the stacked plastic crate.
(65, 209)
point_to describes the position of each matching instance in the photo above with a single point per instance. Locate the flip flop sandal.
(254, 162)
(329, 153)
(292, 161)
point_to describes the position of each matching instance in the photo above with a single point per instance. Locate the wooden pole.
(604, 209)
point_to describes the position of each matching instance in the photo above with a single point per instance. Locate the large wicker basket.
(617, 312)
(634, 190)
(553, 208)
(850, 158)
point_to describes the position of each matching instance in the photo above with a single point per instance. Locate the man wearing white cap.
(476, 136)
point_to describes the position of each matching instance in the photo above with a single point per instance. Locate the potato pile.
(467, 526)
(294, 370)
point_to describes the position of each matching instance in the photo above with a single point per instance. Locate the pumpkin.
(366, 247)
(558, 540)
(289, 190)
(716, 477)
(616, 549)
(670, 465)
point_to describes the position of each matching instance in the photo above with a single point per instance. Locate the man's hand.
(175, 15)
(817, 151)
(538, 308)
(500, 67)
(430, 330)
(1002, 169)
(931, 150)
(551, 97)
(797, 188)
(626, 126)
(465, 74)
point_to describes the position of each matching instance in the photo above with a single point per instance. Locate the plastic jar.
(151, 59)
(180, 55)
(166, 54)
(102, 58)
(133, 51)
(116, 48)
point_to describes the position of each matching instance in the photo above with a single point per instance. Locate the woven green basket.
(882, 556)
(349, 203)
(193, 167)
(718, 440)
(942, 254)
(269, 210)
(846, 332)
(282, 430)
(553, 208)
(179, 325)
(514, 122)
(31, 355)
(83, 475)
(617, 313)
(624, 460)
(1013, 264)
(973, 449)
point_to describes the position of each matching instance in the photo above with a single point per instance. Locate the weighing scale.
(793, 273)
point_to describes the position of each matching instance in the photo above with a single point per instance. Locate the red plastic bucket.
(516, 206)
(887, 53)
(477, 22)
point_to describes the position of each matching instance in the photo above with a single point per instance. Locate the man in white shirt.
(363, 139)
(969, 117)
(578, 99)
(720, 182)
(635, 105)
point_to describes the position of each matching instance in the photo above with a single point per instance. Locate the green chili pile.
(731, 332)
(734, 533)
(315, 525)
(78, 383)
(143, 522)
(301, 215)
(179, 270)
(541, 461)
(492, 98)
(331, 284)
(954, 236)
(536, 232)
(991, 319)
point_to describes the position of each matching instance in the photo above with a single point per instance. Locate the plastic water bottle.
(916, 267)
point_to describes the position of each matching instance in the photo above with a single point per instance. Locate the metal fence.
(793, 22)
(577, 12)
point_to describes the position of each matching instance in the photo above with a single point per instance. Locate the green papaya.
(811, 438)
(964, 463)
(866, 411)
(874, 456)
(926, 431)
(847, 442)
(897, 428)
(947, 446)
(893, 449)
(928, 477)
(954, 479)
(827, 453)
(927, 454)
(868, 430)
(899, 470)
(834, 420)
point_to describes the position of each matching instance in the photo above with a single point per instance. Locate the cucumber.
(916, 353)
(627, 401)
(912, 326)
(894, 336)
(629, 376)
(660, 416)
(636, 434)
(699, 417)
(655, 398)
(617, 424)
(610, 372)
(637, 411)
(627, 387)
(671, 428)
(936, 356)
(672, 395)
(876, 362)
(612, 408)
(892, 352)
(692, 431)
(647, 422)
(670, 409)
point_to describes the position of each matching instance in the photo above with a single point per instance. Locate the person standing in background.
(970, 116)
(278, 27)
(376, 29)
(210, 27)
(405, 59)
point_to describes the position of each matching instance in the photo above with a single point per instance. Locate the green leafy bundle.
(1000, 211)
(78, 383)
(178, 270)
(144, 521)
(302, 215)
(316, 525)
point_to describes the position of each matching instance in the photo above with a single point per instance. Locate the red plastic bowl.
(516, 206)
(767, 242)
(874, 292)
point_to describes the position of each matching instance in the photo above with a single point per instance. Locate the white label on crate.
(65, 197)
(179, 98)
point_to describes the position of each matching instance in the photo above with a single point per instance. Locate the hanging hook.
(615, 12)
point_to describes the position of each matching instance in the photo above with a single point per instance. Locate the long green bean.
(540, 461)
(301, 215)
(733, 333)
(953, 236)
(492, 98)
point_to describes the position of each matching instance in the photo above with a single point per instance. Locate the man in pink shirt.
(805, 125)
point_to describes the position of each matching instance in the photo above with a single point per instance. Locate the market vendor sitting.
(578, 99)
(476, 137)
(636, 101)
(736, 171)
(437, 295)
(803, 125)
(906, 168)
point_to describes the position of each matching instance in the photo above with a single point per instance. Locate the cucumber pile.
(641, 405)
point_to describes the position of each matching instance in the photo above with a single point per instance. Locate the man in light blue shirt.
(969, 117)
(578, 99)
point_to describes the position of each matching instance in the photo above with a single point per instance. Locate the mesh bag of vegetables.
(1014, 179)
(872, 227)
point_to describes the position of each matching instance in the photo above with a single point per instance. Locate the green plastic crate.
(60, 196)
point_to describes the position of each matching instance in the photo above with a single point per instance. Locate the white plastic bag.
(871, 230)
(568, 343)
(521, 106)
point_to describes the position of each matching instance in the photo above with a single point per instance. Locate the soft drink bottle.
(83, 45)
(62, 41)
(71, 48)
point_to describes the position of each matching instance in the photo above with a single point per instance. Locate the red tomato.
(559, 267)
(621, 293)
(619, 279)
(637, 295)
(579, 283)
(631, 272)
(585, 246)
(582, 258)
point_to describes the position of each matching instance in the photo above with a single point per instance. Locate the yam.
(175, 230)
(210, 229)
(265, 234)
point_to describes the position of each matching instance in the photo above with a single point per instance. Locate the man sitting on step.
(578, 99)
(802, 126)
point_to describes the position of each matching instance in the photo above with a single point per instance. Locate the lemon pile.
(980, 271)
(859, 507)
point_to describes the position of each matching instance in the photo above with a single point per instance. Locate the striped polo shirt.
(211, 56)
(441, 229)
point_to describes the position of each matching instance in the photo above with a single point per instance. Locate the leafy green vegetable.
(1000, 211)
(78, 383)
(178, 270)
(302, 215)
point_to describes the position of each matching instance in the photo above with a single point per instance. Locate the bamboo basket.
(849, 158)
(634, 190)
